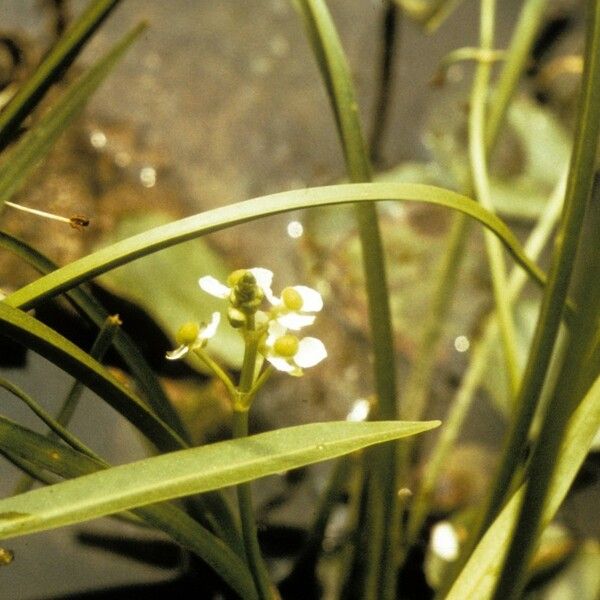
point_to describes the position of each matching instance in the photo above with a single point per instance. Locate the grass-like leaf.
(36, 143)
(158, 238)
(478, 578)
(52, 67)
(192, 471)
(84, 302)
(30, 449)
(28, 331)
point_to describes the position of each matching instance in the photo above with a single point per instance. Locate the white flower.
(294, 306)
(214, 287)
(192, 335)
(288, 353)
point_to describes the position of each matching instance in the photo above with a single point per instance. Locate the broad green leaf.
(478, 577)
(40, 338)
(53, 65)
(49, 456)
(158, 238)
(165, 285)
(36, 143)
(193, 471)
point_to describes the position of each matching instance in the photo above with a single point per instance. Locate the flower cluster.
(248, 291)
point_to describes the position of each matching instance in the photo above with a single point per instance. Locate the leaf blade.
(193, 471)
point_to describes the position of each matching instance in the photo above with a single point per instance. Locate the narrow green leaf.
(478, 577)
(53, 65)
(36, 143)
(193, 471)
(46, 455)
(158, 238)
(28, 331)
(85, 302)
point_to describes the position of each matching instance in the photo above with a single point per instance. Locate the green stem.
(477, 369)
(517, 56)
(565, 246)
(480, 180)
(336, 75)
(241, 406)
(249, 532)
(567, 392)
(385, 80)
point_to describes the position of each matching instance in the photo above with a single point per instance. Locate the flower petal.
(177, 353)
(311, 351)
(295, 321)
(311, 299)
(213, 286)
(264, 279)
(210, 329)
(276, 330)
(281, 364)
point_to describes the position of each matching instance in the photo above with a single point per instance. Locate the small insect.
(76, 221)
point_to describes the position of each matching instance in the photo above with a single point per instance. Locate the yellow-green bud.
(236, 317)
(234, 277)
(187, 334)
(292, 300)
(246, 293)
(286, 346)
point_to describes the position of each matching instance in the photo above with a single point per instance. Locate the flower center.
(292, 300)
(187, 334)
(286, 346)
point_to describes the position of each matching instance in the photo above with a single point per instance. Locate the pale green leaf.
(193, 471)
(168, 235)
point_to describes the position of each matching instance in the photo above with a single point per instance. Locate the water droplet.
(321, 447)
(461, 343)
(295, 229)
(98, 139)
(148, 177)
(54, 455)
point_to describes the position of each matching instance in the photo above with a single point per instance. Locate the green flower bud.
(187, 334)
(234, 277)
(236, 317)
(246, 293)
(286, 346)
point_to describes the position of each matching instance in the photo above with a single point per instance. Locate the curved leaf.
(28, 331)
(86, 303)
(220, 218)
(192, 471)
